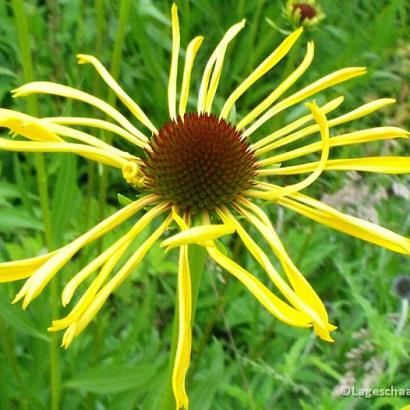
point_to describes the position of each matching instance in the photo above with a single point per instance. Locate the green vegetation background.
(242, 358)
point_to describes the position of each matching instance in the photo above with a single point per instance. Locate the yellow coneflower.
(304, 13)
(203, 174)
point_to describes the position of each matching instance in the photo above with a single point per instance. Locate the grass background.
(242, 358)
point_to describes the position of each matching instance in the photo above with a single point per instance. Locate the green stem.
(197, 258)
(41, 176)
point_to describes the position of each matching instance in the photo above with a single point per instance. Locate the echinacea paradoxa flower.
(304, 13)
(205, 175)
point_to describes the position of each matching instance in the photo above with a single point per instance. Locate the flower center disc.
(199, 162)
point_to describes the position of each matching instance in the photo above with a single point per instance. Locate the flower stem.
(41, 176)
(197, 258)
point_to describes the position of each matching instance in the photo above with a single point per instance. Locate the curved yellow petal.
(183, 352)
(279, 90)
(26, 126)
(197, 234)
(172, 83)
(350, 116)
(264, 261)
(88, 296)
(99, 299)
(21, 269)
(79, 278)
(120, 93)
(351, 225)
(259, 147)
(265, 66)
(296, 278)
(96, 123)
(213, 67)
(45, 87)
(384, 165)
(357, 137)
(93, 153)
(191, 52)
(320, 118)
(37, 282)
(329, 80)
(86, 138)
(266, 298)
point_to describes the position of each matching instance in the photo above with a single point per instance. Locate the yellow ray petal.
(297, 280)
(36, 283)
(351, 225)
(96, 123)
(45, 87)
(180, 221)
(123, 273)
(384, 165)
(79, 278)
(320, 118)
(26, 126)
(95, 154)
(88, 296)
(325, 82)
(197, 234)
(357, 137)
(86, 138)
(183, 352)
(191, 52)
(327, 108)
(172, 83)
(214, 66)
(120, 93)
(279, 90)
(21, 269)
(264, 261)
(350, 116)
(266, 298)
(261, 70)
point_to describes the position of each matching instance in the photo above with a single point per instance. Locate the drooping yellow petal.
(79, 278)
(214, 67)
(279, 90)
(120, 93)
(351, 225)
(384, 165)
(328, 107)
(99, 299)
(320, 118)
(95, 154)
(297, 280)
(45, 87)
(88, 296)
(261, 70)
(197, 234)
(183, 352)
(191, 52)
(21, 269)
(36, 283)
(26, 126)
(172, 83)
(266, 298)
(325, 82)
(350, 116)
(357, 137)
(85, 138)
(96, 123)
(264, 261)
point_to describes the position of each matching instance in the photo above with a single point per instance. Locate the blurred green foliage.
(242, 358)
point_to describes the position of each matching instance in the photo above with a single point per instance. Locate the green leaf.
(19, 320)
(114, 379)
